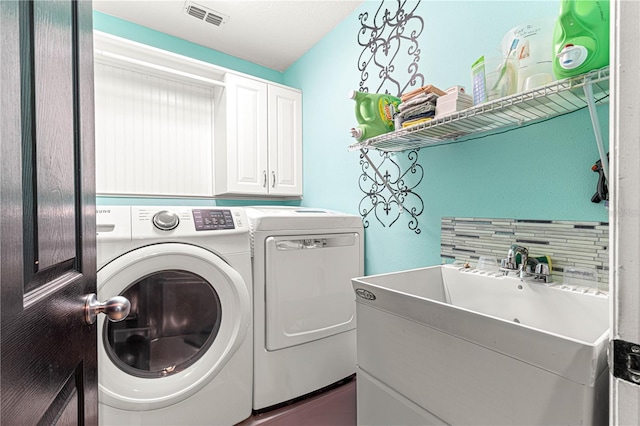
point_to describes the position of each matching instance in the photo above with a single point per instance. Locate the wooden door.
(624, 214)
(47, 230)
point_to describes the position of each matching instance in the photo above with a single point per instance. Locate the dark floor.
(334, 407)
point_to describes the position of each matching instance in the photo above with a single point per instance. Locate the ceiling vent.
(205, 14)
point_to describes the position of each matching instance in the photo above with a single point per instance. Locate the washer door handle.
(116, 308)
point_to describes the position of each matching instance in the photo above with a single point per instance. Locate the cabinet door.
(285, 141)
(246, 136)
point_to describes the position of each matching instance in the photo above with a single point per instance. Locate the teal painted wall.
(129, 30)
(535, 172)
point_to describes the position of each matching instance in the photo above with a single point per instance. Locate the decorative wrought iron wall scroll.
(379, 203)
(392, 33)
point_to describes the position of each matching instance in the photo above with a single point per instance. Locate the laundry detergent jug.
(374, 112)
(581, 37)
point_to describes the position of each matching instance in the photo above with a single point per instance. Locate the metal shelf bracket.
(593, 113)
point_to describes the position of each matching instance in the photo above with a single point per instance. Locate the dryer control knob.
(165, 220)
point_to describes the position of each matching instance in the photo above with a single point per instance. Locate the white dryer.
(183, 356)
(304, 307)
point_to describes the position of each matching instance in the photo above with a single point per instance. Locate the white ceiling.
(269, 33)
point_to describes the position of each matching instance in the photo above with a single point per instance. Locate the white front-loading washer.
(183, 356)
(304, 306)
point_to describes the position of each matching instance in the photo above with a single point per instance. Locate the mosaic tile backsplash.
(571, 245)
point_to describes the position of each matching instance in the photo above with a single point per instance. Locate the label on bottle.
(387, 110)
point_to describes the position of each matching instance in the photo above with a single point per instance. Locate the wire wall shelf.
(551, 100)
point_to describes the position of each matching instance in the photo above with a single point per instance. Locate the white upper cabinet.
(241, 138)
(258, 149)
(285, 141)
(168, 125)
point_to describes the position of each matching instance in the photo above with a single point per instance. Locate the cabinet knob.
(273, 181)
(264, 183)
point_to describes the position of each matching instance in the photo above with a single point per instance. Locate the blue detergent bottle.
(581, 37)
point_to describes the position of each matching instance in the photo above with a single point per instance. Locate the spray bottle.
(374, 112)
(581, 37)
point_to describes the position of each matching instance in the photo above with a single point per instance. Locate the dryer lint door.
(308, 294)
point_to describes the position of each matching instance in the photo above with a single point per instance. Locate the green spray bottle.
(374, 112)
(581, 37)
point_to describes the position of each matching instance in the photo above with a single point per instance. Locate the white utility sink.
(448, 345)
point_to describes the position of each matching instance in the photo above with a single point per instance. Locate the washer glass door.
(175, 317)
(191, 312)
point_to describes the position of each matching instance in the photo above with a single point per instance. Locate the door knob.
(116, 308)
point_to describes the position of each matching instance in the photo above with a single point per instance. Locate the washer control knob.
(165, 220)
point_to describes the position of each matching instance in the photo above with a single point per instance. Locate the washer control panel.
(184, 222)
(212, 219)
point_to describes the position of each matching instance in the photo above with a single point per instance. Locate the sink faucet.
(511, 262)
(528, 266)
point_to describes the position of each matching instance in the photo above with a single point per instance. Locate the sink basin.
(456, 346)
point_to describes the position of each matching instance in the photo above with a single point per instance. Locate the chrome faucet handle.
(508, 264)
(542, 272)
(542, 269)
